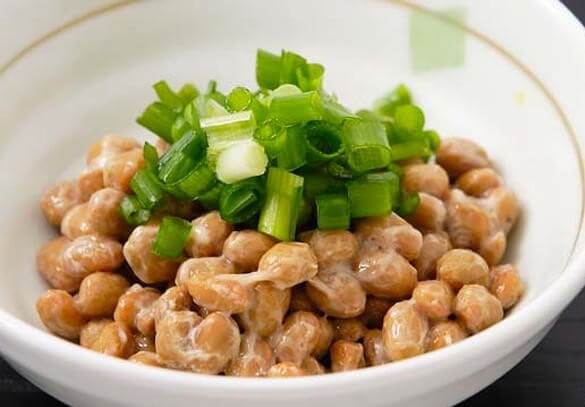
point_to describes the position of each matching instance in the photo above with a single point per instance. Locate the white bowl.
(508, 75)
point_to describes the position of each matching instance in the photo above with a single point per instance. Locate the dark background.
(552, 375)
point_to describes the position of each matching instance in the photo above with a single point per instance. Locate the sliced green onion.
(284, 90)
(239, 99)
(211, 87)
(338, 170)
(171, 237)
(240, 202)
(305, 212)
(191, 116)
(270, 136)
(317, 183)
(213, 108)
(369, 197)
(333, 211)
(159, 119)
(433, 139)
(398, 97)
(369, 115)
(259, 109)
(366, 145)
(179, 128)
(279, 214)
(196, 183)
(409, 149)
(409, 204)
(396, 169)
(150, 156)
(192, 144)
(323, 142)
(167, 96)
(175, 167)
(267, 69)
(147, 188)
(409, 119)
(227, 129)
(210, 199)
(293, 152)
(188, 93)
(241, 160)
(132, 212)
(294, 109)
(289, 63)
(335, 113)
(181, 157)
(264, 96)
(310, 76)
(213, 94)
(393, 182)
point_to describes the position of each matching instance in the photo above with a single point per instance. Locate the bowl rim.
(535, 316)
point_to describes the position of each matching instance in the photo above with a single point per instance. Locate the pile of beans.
(240, 303)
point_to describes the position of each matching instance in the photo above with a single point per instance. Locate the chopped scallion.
(289, 63)
(294, 109)
(368, 197)
(310, 76)
(240, 202)
(408, 204)
(398, 97)
(267, 69)
(409, 149)
(335, 113)
(305, 212)
(150, 156)
(188, 93)
(167, 96)
(193, 185)
(175, 167)
(259, 109)
(325, 164)
(227, 129)
(171, 237)
(293, 151)
(147, 188)
(393, 181)
(213, 94)
(279, 214)
(317, 183)
(179, 128)
(285, 90)
(132, 212)
(409, 119)
(210, 199)
(159, 119)
(433, 139)
(396, 169)
(339, 170)
(323, 142)
(180, 159)
(212, 108)
(366, 145)
(239, 99)
(241, 160)
(333, 211)
(270, 136)
(191, 116)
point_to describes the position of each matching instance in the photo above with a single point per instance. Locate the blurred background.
(553, 374)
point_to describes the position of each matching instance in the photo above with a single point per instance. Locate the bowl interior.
(95, 78)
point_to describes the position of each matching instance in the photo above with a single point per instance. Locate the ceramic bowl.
(507, 74)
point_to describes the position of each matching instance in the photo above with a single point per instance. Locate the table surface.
(553, 374)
